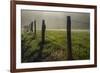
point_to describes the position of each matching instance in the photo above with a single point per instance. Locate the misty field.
(55, 46)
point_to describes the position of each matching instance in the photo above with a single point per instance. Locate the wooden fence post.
(31, 26)
(42, 40)
(34, 28)
(43, 31)
(69, 41)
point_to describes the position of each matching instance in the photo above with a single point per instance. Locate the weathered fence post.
(34, 28)
(43, 31)
(69, 43)
(31, 26)
(42, 40)
(25, 29)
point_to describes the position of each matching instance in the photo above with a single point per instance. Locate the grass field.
(55, 46)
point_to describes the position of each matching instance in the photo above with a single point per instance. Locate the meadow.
(55, 46)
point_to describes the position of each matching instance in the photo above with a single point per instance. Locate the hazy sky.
(55, 20)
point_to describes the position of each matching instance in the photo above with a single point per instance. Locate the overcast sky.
(55, 20)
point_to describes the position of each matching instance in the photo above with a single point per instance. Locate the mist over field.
(55, 20)
(44, 36)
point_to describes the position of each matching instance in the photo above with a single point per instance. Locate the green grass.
(55, 47)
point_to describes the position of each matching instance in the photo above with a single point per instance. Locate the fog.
(55, 20)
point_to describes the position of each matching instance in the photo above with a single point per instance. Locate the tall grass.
(55, 47)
